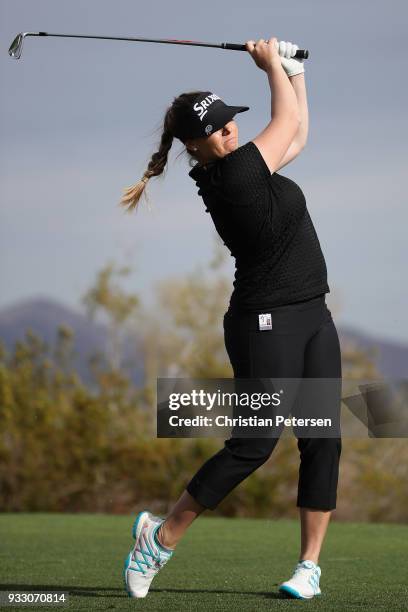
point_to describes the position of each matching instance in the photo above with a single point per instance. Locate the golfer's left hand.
(291, 65)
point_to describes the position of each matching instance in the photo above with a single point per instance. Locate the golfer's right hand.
(265, 54)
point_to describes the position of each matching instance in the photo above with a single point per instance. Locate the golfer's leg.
(313, 527)
(319, 457)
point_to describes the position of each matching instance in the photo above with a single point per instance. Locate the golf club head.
(16, 46)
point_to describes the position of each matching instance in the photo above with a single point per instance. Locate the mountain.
(43, 315)
(392, 359)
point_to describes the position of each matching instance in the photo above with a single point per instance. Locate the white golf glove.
(290, 64)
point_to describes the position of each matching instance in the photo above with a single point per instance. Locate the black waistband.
(298, 305)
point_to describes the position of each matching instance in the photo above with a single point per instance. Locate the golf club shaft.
(300, 53)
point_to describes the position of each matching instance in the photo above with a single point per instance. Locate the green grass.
(221, 564)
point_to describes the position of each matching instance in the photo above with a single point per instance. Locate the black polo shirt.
(263, 220)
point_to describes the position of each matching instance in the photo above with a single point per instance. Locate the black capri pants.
(303, 343)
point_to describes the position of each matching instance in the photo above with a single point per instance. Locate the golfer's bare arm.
(281, 141)
(299, 85)
(300, 139)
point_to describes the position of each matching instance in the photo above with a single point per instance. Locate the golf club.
(16, 46)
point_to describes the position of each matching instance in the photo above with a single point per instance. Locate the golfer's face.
(219, 144)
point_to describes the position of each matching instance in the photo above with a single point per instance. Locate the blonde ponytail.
(133, 193)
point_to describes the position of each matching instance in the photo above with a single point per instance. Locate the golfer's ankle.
(165, 538)
(310, 556)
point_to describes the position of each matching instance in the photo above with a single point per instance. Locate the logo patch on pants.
(265, 321)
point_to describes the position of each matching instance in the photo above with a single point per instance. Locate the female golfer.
(277, 323)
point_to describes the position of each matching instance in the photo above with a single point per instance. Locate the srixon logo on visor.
(201, 108)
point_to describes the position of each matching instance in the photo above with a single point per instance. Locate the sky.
(80, 119)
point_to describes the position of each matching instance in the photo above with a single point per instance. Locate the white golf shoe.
(304, 583)
(146, 558)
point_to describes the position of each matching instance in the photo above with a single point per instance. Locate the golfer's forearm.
(283, 97)
(299, 85)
